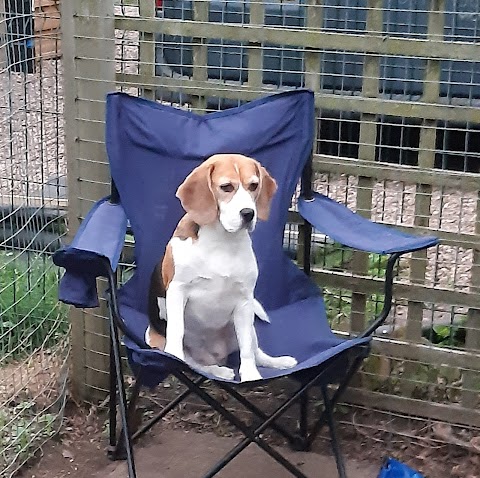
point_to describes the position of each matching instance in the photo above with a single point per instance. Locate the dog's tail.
(260, 311)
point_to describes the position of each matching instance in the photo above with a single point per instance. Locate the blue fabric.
(352, 230)
(394, 469)
(101, 235)
(153, 147)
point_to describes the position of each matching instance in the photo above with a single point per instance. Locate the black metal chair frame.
(121, 444)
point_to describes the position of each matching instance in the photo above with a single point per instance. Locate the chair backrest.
(153, 147)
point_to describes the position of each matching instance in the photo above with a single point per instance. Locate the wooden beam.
(450, 413)
(324, 100)
(368, 43)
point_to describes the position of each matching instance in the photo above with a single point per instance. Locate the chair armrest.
(100, 236)
(352, 230)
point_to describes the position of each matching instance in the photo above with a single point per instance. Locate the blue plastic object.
(394, 469)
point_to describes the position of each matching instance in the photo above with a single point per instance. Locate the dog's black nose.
(247, 215)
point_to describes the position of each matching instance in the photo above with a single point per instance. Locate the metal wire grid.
(33, 327)
(401, 78)
(397, 141)
(341, 71)
(340, 136)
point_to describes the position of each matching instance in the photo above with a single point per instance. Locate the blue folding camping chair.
(152, 148)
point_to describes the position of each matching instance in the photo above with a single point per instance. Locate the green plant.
(447, 335)
(377, 264)
(338, 302)
(331, 256)
(21, 429)
(30, 315)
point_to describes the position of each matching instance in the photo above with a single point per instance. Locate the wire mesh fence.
(359, 151)
(33, 327)
(397, 88)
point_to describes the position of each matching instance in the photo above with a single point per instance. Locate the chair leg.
(120, 452)
(166, 409)
(304, 399)
(336, 396)
(122, 399)
(301, 442)
(252, 435)
(292, 438)
(333, 434)
(112, 410)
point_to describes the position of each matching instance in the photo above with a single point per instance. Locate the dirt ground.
(77, 451)
(436, 450)
(172, 452)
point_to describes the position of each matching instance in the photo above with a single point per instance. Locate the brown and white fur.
(209, 271)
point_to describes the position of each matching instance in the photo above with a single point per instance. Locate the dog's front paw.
(249, 374)
(175, 352)
(224, 372)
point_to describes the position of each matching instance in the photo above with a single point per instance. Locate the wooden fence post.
(88, 44)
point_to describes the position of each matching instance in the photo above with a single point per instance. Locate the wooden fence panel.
(411, 193)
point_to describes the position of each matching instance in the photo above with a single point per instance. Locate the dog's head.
(232, 188)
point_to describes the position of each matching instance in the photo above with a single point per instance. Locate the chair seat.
(295, 330)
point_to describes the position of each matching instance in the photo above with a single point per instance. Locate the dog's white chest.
(214, 258)
(217, 275)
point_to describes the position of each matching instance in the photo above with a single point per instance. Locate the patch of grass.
(21, 429)
(338, 302)
(30, 315)
(31, 319)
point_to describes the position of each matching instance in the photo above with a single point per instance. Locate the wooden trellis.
(97, 35)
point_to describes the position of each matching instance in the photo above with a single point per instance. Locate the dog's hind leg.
(264, 360)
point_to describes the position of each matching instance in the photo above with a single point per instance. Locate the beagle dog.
(202, 304)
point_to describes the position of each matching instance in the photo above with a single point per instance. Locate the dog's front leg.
(175, 303)
(243, 322)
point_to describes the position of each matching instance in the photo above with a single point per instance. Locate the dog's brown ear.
(196, 195)
(268, 187)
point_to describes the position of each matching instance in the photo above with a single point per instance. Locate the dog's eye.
(253, 187)
(228, 188)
